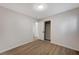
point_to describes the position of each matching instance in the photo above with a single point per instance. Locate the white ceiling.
(52, 9)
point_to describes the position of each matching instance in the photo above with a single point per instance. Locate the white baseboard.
(9, 48)
(65, 46)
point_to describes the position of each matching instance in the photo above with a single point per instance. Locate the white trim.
(9, 48)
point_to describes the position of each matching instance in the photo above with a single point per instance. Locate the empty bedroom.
(39, 28)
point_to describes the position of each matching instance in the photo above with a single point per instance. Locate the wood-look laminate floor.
(40, 47)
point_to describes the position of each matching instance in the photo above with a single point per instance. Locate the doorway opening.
(47, 30)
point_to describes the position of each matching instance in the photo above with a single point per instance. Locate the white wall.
(64, 29)
(15, 29)
(35, 30)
